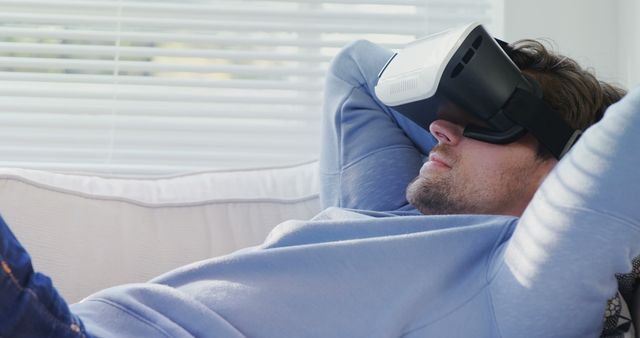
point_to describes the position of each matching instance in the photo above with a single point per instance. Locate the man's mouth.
(438, 160)
(435, 163)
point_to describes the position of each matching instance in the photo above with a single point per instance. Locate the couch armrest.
(91, 232)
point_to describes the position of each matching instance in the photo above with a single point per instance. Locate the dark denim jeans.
(29, 304)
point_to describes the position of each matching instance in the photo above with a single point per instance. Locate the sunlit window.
(159, 87)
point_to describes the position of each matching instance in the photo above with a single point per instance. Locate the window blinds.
(145, 87)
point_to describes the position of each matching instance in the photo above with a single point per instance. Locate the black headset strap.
(529, 110)
(543, 122)
(505, 47)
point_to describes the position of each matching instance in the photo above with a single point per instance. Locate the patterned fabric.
(617, 321)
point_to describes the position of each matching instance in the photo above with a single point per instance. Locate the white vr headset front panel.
(416, 70)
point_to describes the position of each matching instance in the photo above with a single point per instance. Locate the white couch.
(88, 232)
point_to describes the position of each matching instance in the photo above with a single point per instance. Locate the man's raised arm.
(555, 275)
(369, 153)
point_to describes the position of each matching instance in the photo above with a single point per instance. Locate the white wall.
(629, 41)
(599, 34)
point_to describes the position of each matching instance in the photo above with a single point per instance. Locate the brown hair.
(574, 92)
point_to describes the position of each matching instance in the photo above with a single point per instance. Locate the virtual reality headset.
(470, 69)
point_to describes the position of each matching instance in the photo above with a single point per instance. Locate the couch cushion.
(90, 232)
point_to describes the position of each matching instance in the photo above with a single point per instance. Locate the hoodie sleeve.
(555, 275)
(369, 152)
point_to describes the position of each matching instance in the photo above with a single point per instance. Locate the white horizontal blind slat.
(199, 6)
(37, 89)
(403, 28)
(159, 87)
(146, 16)
(63, 64)
(255, 126)
(107, 51)
(133, 36)
(12, 77)
(60, 106)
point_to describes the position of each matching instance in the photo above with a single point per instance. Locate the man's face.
(467, 176)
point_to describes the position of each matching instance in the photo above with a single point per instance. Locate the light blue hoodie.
(374, 274)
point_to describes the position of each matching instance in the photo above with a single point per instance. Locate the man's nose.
(446, 132)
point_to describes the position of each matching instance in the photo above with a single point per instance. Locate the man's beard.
(452, 192)
(434, 196)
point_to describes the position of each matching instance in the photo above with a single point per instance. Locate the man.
(370, 274)
(489, 178)
(460, 175)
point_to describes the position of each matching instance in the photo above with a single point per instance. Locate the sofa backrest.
(89, 232)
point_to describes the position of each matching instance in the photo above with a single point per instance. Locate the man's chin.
(432, 196)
